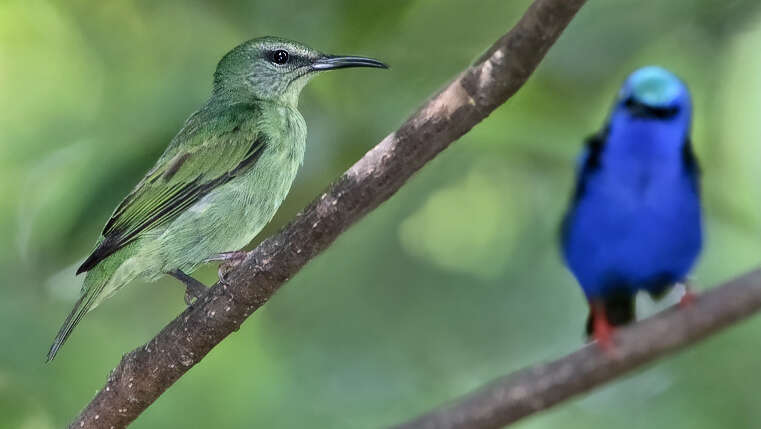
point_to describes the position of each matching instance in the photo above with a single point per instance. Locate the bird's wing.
(588, 162)
(691, 164)
(215, 151)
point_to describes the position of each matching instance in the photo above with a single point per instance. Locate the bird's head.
(654, 93)
(275, 69)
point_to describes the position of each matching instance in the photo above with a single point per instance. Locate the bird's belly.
(227, 218)
(643, 241)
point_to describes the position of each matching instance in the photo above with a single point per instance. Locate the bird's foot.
(193, 288)
(229, 261)
(688, 297)
(603, 334)
(602, 329)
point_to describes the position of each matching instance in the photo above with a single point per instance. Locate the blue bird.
(634, 220)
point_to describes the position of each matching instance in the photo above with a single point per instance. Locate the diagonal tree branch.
(146, 372)
(538, 388)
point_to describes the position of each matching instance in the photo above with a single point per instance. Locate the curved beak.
(333, 62)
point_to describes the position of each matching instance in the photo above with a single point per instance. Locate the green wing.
(212, 149)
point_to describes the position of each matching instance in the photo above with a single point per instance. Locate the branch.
(146, 372)
(538, 388)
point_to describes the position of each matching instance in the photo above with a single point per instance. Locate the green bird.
(220, 180)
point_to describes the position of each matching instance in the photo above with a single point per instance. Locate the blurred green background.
(454, 281)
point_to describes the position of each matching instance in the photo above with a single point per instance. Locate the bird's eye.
(279, 57)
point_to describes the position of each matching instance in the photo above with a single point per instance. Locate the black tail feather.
(79, 310)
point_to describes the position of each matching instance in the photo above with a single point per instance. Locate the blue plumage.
(634, 222)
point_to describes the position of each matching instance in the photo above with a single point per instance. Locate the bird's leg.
(602, 329)
(193, 288)
(689, 296)
(228, 259)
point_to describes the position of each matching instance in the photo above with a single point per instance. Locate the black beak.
(333, 62)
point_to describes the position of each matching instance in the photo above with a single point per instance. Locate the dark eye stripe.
(640, 109)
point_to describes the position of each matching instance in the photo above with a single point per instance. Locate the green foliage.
(452, 282)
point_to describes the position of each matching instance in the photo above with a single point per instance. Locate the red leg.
(689, 297)
(602, 329)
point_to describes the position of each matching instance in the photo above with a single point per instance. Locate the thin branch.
(145, 373)
(538, 388)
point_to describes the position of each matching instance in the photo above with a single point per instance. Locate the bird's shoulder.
(214, 124)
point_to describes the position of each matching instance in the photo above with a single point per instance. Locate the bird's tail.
(619, 310)
(91, 290)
